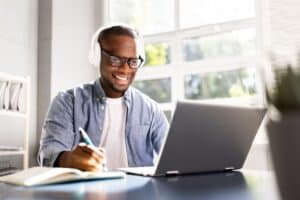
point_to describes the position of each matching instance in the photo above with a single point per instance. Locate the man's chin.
(121, 89)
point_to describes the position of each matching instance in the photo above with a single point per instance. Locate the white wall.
(65, 30)
(44, 63)
(72, 28)
(62, 30)
(283, 28)
(18, 55)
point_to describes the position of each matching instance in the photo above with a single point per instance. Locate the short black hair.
(117, 30)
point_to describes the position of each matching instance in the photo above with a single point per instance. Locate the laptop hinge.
(229, 168)
(172, 172)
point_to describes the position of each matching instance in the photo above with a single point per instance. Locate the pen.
(88, 141)
(85, 137)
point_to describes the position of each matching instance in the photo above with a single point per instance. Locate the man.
(118, 118)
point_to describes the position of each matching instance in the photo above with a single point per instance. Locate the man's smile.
(121, 79)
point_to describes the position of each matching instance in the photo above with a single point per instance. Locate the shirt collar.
(100, 94)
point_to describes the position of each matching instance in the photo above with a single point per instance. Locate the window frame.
(177, 73)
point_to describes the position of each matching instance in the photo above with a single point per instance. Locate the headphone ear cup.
(98, 50)
(141, 49)
(95, 54)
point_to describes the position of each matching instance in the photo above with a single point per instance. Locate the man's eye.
(134, 62)
(114, 59)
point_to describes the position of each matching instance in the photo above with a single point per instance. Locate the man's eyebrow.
(111, 53)
(124, 57)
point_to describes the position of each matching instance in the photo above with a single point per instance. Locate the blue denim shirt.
(146, 124)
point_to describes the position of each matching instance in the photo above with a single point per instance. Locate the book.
(15, 89)
(49, 175)
(6, 96)
(22, 101)
(3, 85)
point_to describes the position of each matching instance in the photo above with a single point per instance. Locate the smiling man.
(126, 126)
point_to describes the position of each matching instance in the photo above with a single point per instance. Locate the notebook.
(47, 175)
(205, 137)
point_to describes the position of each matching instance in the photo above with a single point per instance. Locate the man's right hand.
(83, 157)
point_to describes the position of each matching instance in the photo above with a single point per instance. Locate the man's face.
(116, 80)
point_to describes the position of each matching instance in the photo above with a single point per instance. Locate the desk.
(245, 185)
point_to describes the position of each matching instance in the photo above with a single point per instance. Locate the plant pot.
(284, 139)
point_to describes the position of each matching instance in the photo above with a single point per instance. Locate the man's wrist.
(59, 162)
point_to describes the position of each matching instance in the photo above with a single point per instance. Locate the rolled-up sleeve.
(57, 132)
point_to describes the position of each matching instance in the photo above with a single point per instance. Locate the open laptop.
(205, 138)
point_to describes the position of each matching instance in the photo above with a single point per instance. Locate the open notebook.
(47, 175)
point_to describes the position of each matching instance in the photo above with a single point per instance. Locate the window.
(214, 46)
(213, 11)
(235, 83)
(150, 16)
(195, 49)
(158, 89)
(157, 54)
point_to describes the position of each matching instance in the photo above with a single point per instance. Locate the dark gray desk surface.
(245, 185)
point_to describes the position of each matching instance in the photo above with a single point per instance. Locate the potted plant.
(283, 127)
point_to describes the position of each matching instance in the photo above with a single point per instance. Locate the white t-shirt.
(113, 135)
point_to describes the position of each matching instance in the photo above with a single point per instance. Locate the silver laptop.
(205, 138)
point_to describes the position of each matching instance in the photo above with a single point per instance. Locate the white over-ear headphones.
(95, 49)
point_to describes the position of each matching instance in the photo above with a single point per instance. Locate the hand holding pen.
(85, 156)
(88, 141)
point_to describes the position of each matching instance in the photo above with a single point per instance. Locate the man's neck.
(110, 92)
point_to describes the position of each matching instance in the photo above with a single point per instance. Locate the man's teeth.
(123, 78)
